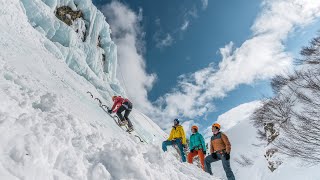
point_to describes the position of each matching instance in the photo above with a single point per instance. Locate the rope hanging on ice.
(114, 117)
(90, 94)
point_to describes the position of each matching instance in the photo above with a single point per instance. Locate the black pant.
(126, 107)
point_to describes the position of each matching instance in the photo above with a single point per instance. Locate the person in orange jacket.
(197, 146)
(220, 149)
(177, 137)
(119, 105)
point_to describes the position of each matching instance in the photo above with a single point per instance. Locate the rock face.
(67, 15)
(74, 19)
(273, 163)
(271, 132)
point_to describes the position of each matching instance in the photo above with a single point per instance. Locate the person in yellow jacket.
(177, 137)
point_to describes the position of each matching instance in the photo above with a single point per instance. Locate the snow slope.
(50, 128)
(237, 115)
(243, 137)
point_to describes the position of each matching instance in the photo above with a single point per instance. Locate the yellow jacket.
(178, 132)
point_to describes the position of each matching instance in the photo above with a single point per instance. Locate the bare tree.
(302, 135)
(291, 120)
(311, 53)
(277, 110)
(278, 82)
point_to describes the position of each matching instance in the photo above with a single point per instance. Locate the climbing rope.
(115, 118)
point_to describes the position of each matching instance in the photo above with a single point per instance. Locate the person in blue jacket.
(197, 146)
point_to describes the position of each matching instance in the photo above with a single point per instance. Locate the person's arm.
(226, 142)
(183, 134)
(190, 143)
(171, 135)
(114, 105)
(203, 143)
(116, 101)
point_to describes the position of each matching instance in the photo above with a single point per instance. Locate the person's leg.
(126, 114)
(201, 158)
(165, 144)
(129, 123)
(119, 112)
(191, 155)
(227, 168)
(207, 163)
(180, 146)
(128, 107)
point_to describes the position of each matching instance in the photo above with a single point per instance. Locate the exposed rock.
(271, 132)
(273, 162)
(73, 19)
(67, 15)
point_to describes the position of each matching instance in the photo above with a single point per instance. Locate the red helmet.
(194, 127)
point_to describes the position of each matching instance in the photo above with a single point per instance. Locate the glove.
(227, 156)
(214, 155)
(204, 152)
(192, 150)
(110, 111)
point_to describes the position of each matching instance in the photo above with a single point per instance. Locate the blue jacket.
(197, 142)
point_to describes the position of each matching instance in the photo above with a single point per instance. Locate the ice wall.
(85, 45)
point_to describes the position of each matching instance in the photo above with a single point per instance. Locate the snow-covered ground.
(247, 154)
(50, 128)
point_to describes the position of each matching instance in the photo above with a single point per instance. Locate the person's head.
(215, 128)
(114, 97)
(194, 129)
(176, 122)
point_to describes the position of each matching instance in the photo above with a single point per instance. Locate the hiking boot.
(123, 122)
(130, 129)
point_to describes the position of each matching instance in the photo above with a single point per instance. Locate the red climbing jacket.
(117, 102)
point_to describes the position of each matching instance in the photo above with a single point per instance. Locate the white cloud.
(260, 57)
(185, 25)
(160, 38)
(193, 12)
(165, 41)
(204, 4)
(127, 33)
(157, 22)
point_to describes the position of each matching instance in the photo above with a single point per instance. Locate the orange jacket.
(220, 142)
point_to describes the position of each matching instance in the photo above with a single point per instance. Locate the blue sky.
(177, 38)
